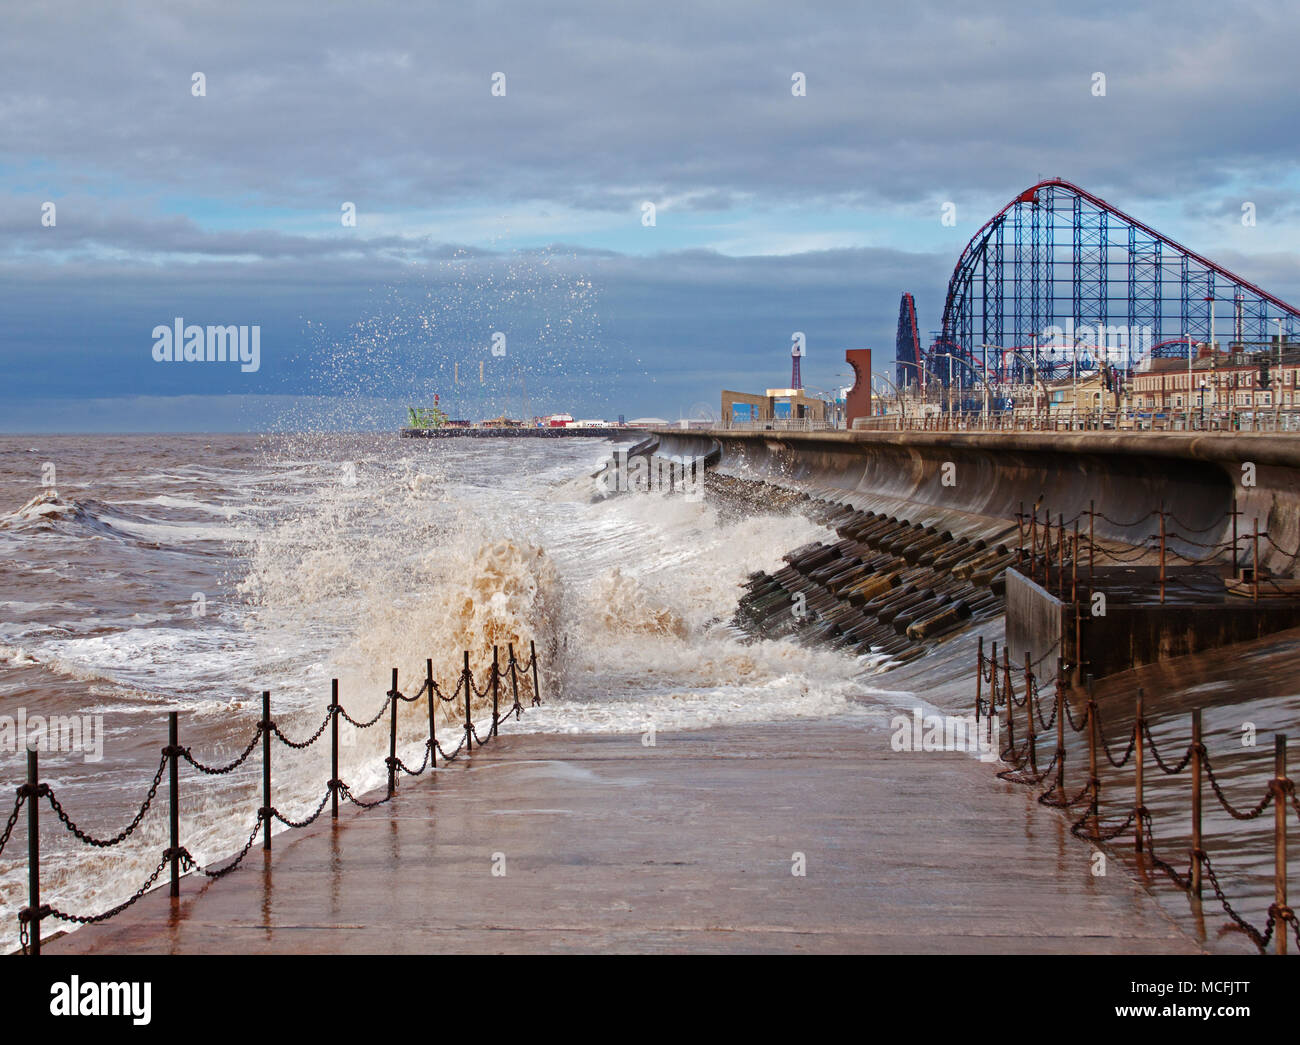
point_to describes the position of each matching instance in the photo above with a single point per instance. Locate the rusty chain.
(370, 722)
(112, 912)
(1164, 767)
(1101, 735)
(1235, 813)
(13, 818)
(300, 745)
(126, 832)
(189, 863)
(185, 859)
(302, 823)
(230, 767)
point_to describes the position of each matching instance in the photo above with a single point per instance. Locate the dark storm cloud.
(597, 332)
(609, 104)
(172, 205)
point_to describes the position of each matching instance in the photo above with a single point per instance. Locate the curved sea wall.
(977, 482)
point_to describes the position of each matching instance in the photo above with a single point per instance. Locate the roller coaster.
(1061, 282)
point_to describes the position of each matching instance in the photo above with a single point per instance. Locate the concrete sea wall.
(976, 482)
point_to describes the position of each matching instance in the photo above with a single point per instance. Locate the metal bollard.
(174, 802)
(1139, 809)
(392, 738)
(433, 733)
(993, 680)
(33, 854)
(1010, 693)
(469, 692)
(1032, 740)
(1279, 840)
(1236, 562)
(1196, 802)
(979, 679)
(266, 769)
(334, 749)
(537, 688)
(496, 685)
(1060, 726)
(1254, 569)
(514, 682)
(1094, 781)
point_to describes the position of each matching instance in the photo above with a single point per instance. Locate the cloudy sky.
(523, 210)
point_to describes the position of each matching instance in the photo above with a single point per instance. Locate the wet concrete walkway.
(608, 845)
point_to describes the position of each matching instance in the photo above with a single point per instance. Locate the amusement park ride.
(1061, 284)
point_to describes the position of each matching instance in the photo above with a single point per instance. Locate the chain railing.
(1062, 556)
(181, 861)
(995, 695)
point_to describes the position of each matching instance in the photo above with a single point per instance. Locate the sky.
(500, 159)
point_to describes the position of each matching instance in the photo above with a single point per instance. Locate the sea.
(144, 574)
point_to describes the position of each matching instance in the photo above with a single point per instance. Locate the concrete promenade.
(686, 846)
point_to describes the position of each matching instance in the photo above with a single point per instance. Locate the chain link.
(112, 912)
(300, 745)
(1164, 767)
(302, 823)
(13, 819)
(1235, 813)
(29, 921)
(229, 768)
(367, 724)
(189, 863)
(121, 836)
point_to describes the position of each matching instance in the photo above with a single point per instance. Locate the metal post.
(1060, 726)
(33, 854)
(496, 681)
(1196, 802)
(1094, 781)
(1236, 563)
(537, 688)
(1074, 568)
(334, 749)
(1029, 713)
(392, 737)
(266, 770)
(979, 680)
(514, 681)
(469, 692)
(1011, 703)
(1139, 809)
(1020, 537)
(174, 796)
(433, 735)
(1279, 841)
(1255, 567)
(993, 680)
